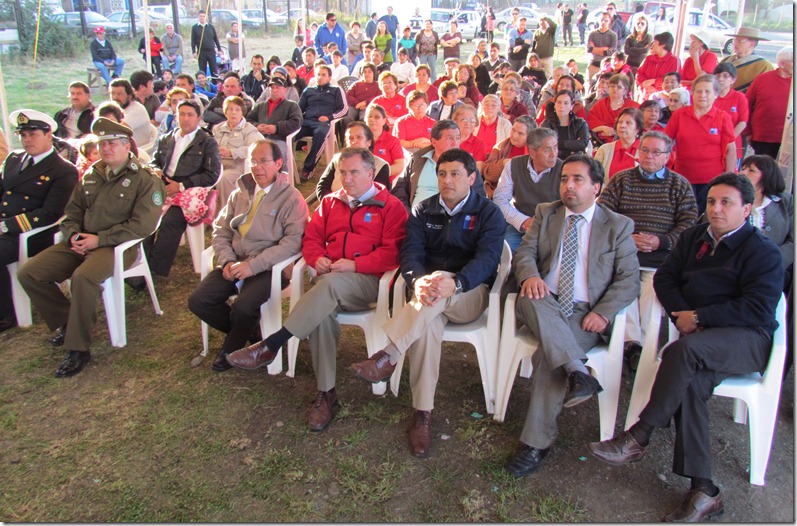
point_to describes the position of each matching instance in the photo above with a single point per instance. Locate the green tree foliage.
(55, 40)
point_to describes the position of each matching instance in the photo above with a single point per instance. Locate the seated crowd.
(609, 192)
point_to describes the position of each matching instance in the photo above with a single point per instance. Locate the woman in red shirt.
(423, 77)
(510, 106)
(493, 127)
(603, 114)
(467, 74)
(733, 102)
(621, 154)
(414, 130)
(386, 145)
(391, 100)
(466, 118)
(704, 140)
(701, 61)
(512, 146)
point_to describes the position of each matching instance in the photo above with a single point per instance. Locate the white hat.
(32, 120)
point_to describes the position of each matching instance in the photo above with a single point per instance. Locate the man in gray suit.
(577, 267)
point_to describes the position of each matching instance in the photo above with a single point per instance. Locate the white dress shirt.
(580, 281)
(181, 142)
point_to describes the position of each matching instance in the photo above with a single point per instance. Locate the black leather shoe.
(58, 337)
(623, 449)
(581, 388)
(73, 363)
(697, 507)
(220, 364)
(526, 460)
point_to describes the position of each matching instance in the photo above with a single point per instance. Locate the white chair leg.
(196, 243)
(526, 368)
(739, 411)
(22, 307)
(762, 429)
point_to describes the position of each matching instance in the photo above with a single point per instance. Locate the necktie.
(567, 270)
(27, 163)
(355, 204)
(243, 228)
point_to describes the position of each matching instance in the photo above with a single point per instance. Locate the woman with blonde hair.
(234, 137)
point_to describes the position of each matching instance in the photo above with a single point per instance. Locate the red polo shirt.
(769, 97)
(708, 61)
(488, 133)
(395, 107)
(700, 144)
(735, 105)
(408, 128)
(474, 146)
(623, 158)
(388, 148)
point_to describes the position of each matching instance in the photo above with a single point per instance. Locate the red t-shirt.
(602, 114)
(408, 128)
(431, 92)
(474, 146)
(488, 133)
(708, 61)
(388, 148)
(515, 151)
(769, 97)
(623, 158)
(735, 105)
(700, 144)
(396, 106)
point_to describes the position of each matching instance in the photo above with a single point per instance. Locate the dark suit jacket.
(779, 226)
(613, 274)
(200, 163)
(37, 195)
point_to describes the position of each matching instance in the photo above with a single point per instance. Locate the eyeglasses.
(261, 162)
(470, 121)
(333, 20)
(654, 153)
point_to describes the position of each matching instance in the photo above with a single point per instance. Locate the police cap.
(106, 129)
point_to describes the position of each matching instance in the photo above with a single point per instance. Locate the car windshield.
(91, 16)
(440, 16)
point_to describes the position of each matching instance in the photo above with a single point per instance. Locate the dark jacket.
(209, 39)
(84, 121)
(286, 116)
(405, 184)
(200, 163)
(101, 53)
(736, 283)
(36, 196)
(573, 138)
(327, 100)
(253, 87)
(469, 244)
(436, 108)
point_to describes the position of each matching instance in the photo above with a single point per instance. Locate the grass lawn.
(142, 436)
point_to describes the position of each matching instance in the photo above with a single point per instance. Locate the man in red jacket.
(353, 237)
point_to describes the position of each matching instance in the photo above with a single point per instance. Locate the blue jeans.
(431, 61)
(176, 66)
(117, 69)
(513, 237)
(582, 29)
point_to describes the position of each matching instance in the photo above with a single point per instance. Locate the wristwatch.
(458, 283)
(181, 186)
(695, 319)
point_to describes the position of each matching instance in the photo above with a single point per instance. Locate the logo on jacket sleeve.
(469, 222)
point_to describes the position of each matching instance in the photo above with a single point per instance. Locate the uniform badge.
(157, 198)
(367, 217)
(134, 166)
(126, 183)
(22, 119)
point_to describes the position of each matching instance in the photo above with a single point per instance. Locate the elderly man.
(419, 180)
(527, 181)
(36, 184)
(172, 54)
(748, 65)
(136, 115)
(577, 268)
(75, 120)
(261, 225)
(277, 117)
(231, 87)
(449, 260)
(769, 100)
(320, 104)
(186, 157)
(352, 239)
(330, 32)
(662, 205)
(204, 43)
(117, 200)
(720, 285)
(104, 57)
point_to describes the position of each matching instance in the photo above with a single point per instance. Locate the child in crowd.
(296, 57)
(89, 153)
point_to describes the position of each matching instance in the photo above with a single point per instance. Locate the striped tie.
(243, 228)
(567, 270)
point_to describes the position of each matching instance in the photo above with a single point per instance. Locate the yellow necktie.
(243, 228)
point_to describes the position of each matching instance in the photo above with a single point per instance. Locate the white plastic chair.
(195, 234)
(754, 395)
(606, 362)
(483, 333)
(291, 160)
(270, 311)
(330, 147)
(370, 321)
(21, 300)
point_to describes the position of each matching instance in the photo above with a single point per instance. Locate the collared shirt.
(70, 123)
(654, 175)
(580, 282)
(757, 214)
(717, 241)
(369, 194)
(37, 158)
(504, 194)
(181, 142)
(456, 209)
(265, 190)
(427, 181)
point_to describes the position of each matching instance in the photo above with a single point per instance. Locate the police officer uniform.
(116, 206)
(35, 190)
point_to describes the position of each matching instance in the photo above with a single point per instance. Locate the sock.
(278, 339)
(393, 352)
(705, 485)
(575, 365)
(641, 432)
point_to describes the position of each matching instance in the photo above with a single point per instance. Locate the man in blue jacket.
(449, 260)
(720, 285)
(330, 32)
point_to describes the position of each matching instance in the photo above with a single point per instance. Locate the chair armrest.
(206, 262)
(399, 294)
(383, 296)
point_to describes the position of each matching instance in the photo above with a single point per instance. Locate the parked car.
(228, 16)
(594, 18)
(274, 18)
(155, 21)
(300, 13)
(71, 20)
(532, 15)
(166, 10)
(716, 28)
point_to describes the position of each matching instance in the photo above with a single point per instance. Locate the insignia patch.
(126, 183)
(22, 119)
(133, 166)
(157, 199)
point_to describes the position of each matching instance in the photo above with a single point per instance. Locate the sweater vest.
(528, 194)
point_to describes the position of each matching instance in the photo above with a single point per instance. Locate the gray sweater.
(287, 116)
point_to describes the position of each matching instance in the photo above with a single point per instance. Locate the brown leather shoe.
(697, 507)
(622, 449)
(375, 369)
(323, 410)
(253, 357)
(421, 433)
